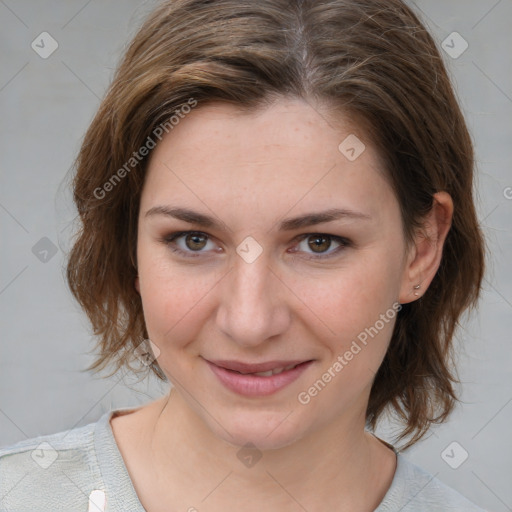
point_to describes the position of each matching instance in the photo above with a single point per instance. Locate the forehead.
(287, 127)
(283, 155)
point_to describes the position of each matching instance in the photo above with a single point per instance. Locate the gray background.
(46, 106)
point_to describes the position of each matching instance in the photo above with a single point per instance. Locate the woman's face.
(266, 279)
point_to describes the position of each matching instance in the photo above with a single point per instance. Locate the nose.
(253, 303)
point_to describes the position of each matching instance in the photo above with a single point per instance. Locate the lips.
(269, 367)
(268, 373)
(258, 379)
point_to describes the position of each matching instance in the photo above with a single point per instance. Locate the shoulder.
(49, 472)
(415, 490)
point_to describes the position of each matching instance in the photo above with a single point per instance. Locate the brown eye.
(190, 244)
(195, 241)
(320, 246)
(319, 243)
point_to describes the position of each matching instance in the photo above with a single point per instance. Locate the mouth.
(259, 379)
(268, 373)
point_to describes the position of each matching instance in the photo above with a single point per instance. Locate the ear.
(137, 285)
(425, 253)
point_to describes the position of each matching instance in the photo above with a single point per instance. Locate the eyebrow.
(302, 221)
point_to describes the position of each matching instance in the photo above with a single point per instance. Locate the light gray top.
(81, 469)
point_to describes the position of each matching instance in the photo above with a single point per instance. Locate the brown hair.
(370, 59)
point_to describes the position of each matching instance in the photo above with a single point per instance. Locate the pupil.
(317, 243)
(198, 241)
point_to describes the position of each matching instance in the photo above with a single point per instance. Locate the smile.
(274, 371)
(260, 379)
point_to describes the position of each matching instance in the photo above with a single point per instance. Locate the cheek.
(174, 313)
(351, 298)
(173, 299)
(355, 312)
(357, 321)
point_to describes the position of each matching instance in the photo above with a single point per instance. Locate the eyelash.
(170, 242)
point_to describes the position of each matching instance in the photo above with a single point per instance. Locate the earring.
(417, 287)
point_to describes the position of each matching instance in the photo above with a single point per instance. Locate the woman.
(277, 218)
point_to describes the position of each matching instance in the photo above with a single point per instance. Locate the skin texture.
(250, 172)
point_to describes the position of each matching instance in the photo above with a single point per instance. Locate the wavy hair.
(372, 60)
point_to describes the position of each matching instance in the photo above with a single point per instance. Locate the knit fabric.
(83, 470)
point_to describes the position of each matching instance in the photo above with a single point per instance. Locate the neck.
(339, 465)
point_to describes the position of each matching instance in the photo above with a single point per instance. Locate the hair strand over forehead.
(371, 60)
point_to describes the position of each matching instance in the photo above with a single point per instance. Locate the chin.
(264, 429)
